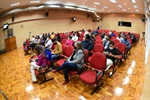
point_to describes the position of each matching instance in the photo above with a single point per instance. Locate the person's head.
(52, 33)
(39, 49)
(78, 45)
(87, 37)
(70, 37)
(54, 40)
(111, 45)
(125, 37)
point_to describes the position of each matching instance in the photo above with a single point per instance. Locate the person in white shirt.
(74, 37)
(48, 43)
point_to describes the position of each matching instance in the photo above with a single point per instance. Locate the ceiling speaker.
(46, 14)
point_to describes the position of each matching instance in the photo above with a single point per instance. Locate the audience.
(75, 60)
(52, 35)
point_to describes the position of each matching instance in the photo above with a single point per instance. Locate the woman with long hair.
(42, 61)
(74, 61)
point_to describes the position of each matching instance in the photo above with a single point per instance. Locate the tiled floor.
(125, 84)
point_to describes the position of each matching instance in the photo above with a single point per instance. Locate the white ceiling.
(104, 6)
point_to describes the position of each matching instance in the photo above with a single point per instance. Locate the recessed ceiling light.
(15, 4)
(54, 6)
(96, 3)
(94, 6)
(105, 7)
(34, 1)
(137, 10)
(113, 1)
(81, 9)
(69, 7)
(133, 1)
(52, 2)
(70, 4)
(128, 8)
(83, 2)
(125, 3)
(119, 6)
(123, 9)
(102, 9)
(135, 6)
(108, 11)
(111, 10)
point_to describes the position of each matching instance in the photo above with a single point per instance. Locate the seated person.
(126, 42)
(111, 53)
(75, 60)
(87, 43)
(74, 37)
(56, 51)
(42, 62)
(69, 42)
(106, 41)
(49, 43)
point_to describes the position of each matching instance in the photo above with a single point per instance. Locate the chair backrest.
(121, 47)
(28, 42)
(98, 41)
(98, 61)
(68, 51)
(63, 41)
(64, 48)
(116, 41)
(86, 56)
(98, 48)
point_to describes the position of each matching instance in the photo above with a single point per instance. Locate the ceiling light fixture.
(123, 9)
(135, 6)
(34, 1)
(119, 6)
(133, 1)
(137, 10)
(69, 7)
(96, 3)
(105, 7)
(15, 4)
(55, 6)
(113, 1)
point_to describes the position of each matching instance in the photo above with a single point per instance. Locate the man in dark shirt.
(87, 43)
(111, 53)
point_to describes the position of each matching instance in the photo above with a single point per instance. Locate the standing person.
(75, 60)
(42, 62)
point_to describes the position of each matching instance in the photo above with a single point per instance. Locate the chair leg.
(111, 73)
(96, 88)
(46, 80)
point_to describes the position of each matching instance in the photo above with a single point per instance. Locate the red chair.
(116, 41)
(98, 41)
(122, 49)
(97, 48)
(95, 72)
(43, 72)
(85, 61)
(67, 53)
(63, 41)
